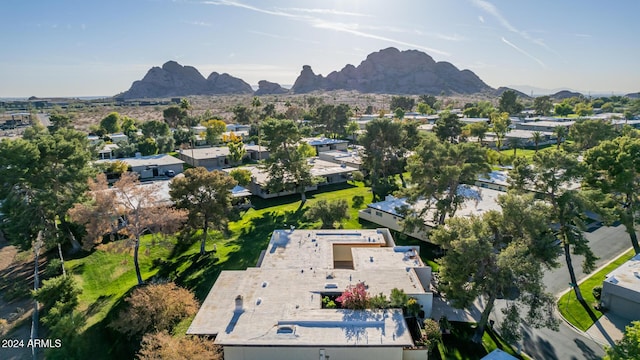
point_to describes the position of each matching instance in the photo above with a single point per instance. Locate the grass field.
(458, 344)
(572, 310)
(107, 274)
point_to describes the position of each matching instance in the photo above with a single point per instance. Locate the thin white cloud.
(493, 11)
(324, 11)
(352, 29)
(250, 7)
(198, 23)
(348, 28)
(524, 52)
(481, 18)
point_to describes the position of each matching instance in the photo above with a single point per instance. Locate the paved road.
(44, 120)
(567, 343)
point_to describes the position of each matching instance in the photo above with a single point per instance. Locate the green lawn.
(573, 311)
(458, 344)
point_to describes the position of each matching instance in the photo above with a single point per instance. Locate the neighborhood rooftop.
(281, 299)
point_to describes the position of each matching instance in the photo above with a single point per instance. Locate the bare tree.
(128, 208)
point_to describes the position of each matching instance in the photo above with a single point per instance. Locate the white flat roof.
(627, 275)
(323, 141)
(159, 159)
(318, 168)
(478, 201)
(206, 153)
(496, 177)
(286, 291)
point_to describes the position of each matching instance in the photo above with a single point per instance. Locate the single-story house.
(256, 152)
(331, 172)
(209, 157)
(390, 212)
(151, 166)
(496, 180)
(277, 309)
(349, 158)
(324, 144)
(108, 151)
(621, 290)
(544, 125)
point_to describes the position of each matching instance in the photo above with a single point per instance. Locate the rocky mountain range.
(388, 71)
(392, 71)
(174, 80)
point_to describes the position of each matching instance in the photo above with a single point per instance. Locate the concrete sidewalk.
(608, 329)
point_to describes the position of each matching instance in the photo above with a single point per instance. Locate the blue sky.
(87, 48)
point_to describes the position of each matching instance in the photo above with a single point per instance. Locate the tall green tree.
(500, 126)
(543, 105)
(561, 132)
(553, 175)
(494, 256)
(536, 137)
(155, 128)
(478, 130)
(589, 133)
(383, 154)
(111, 123)
(207, 198)
(175, 116)
(438, 169)
(241, 114)
(406, 103)
(329, 212)
(613, 166)
(509, 103)
(287, 164)
(43, 175)
(448, 127)
(215, 128)
(563, 109)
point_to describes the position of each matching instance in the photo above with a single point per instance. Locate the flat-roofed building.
(621, 290)
(330, 172)
(209, 157)
(275, 310)
(325, 144)
(151, 166)
(392, 211)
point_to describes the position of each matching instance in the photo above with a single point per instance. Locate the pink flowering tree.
(355, 297)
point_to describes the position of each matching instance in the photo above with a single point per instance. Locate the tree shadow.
(541, 349)
(587, 352)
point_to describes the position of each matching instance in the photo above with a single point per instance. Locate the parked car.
(170, 173)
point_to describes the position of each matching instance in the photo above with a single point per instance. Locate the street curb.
(562, 293)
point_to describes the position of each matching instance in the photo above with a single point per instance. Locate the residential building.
(543, 125)
(325, 144)
(350, 158)
(275, 310)
(209, 157)
(332, 173)
(496, 180)
(391, 212)
(498, 354)
(621, 290)
(108, 151)
(151, 166)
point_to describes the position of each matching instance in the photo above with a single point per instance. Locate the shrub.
(357, 176)
(431, 334)
(597, 292)
(328, 303)
(379, 301)
(155, 307)
(398, 298)
(357, 200)
(164, 346)
(355, 297)
(60, 289)
(53, 268)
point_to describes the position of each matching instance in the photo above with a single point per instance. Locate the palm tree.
(537, 138)
(352, 128)
(514, 143)
(561, 133)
